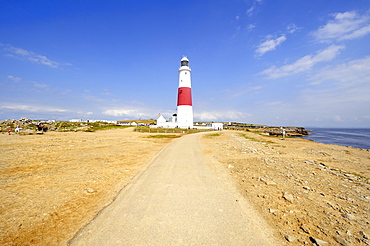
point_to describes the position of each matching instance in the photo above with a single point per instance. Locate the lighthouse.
(184, 99)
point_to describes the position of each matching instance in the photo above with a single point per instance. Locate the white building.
(215, 126)
(75, 120)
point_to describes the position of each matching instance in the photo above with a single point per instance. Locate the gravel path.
(177, 200)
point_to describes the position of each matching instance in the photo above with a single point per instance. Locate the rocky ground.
(312, 193)
(53, 184)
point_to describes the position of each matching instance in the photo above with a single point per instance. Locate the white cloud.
(128, 112)
(32, 108)
(19, 80)
(248, 90)
(121, 112)
(30, 56)
(250, 10)
(224, 115)
(292, 28)
(344, 26)
(303, 64)
(269, 45)
(337, 94)
(39, 85)
(357, 34)
(348, 74)
(15, 79)
(251, 26)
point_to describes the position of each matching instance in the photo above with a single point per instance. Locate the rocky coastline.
(312, 193)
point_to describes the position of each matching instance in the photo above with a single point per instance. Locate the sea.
(354, 137)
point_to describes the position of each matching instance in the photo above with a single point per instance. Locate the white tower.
(184, 99)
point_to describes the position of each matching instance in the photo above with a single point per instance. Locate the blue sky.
(283, 62)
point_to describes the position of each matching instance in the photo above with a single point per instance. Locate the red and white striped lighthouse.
(184, 99)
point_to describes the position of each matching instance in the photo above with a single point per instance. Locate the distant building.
(125, 123)
(93, 121)
(215, 126)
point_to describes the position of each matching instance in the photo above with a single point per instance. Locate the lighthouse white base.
(185, 116)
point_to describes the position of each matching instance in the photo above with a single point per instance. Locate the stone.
(349, 216)
(318, 242)
(366, 241)
(341, 241)
(90, 190)
(289, 238)
(305, 229)
(288, 197)
(273, 211)
(269, 182)
(363, 234)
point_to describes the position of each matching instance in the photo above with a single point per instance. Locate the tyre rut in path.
(177, 200)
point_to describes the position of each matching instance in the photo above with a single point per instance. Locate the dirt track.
(52, 185)
(177, 201)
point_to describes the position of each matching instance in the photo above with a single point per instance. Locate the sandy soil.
(53, 184)
(311, 193)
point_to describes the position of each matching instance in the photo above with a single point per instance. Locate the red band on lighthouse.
(184, 96)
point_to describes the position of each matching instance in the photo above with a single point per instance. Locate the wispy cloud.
(292, 28)
(337, 93)
(31, 108)
(253, 8)
(221, 115)
(30, 56)
(122, 112)
(251, 26)
(269, 45)
(130, 111)
(14, 79)
(248, 90)
(303, 64)
(344, 26)
(355, 73)
(35, 84)
(250, 10)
